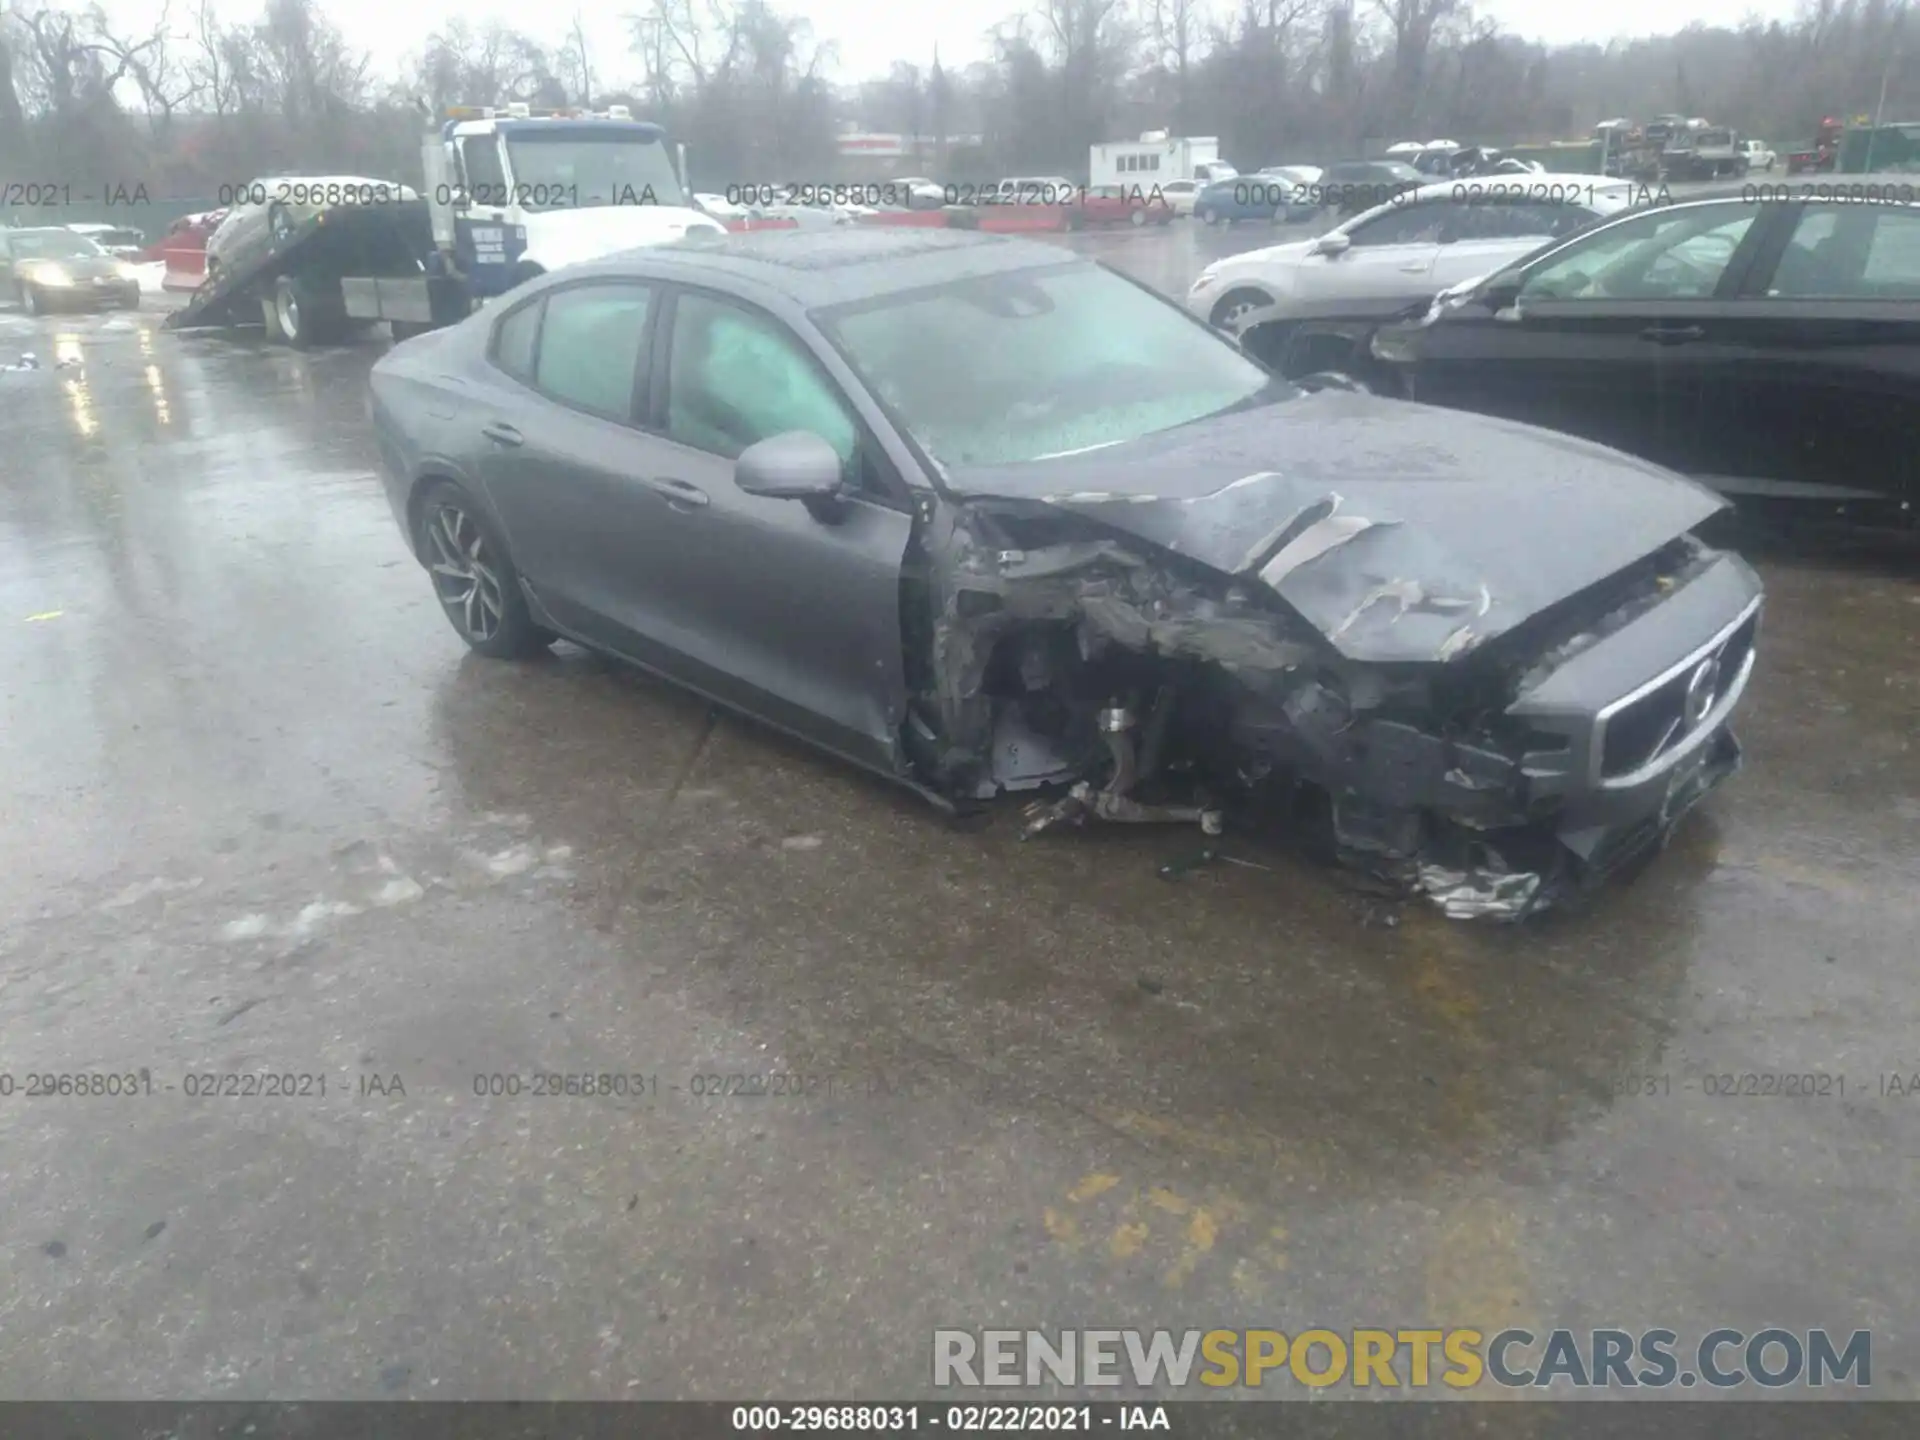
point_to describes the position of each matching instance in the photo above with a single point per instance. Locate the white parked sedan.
(1422, 242)
(1179, 195)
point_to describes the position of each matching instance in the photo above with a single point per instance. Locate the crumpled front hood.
(1403, 532)
(568, 237)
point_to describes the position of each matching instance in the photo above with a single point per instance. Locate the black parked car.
(1768, 349)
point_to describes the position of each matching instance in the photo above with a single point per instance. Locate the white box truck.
(1157, 158)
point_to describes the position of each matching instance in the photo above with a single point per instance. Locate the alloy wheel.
(464, 575)
(1229, 319)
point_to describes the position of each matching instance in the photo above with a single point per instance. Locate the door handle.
(680, 492)
(1673, 334)
(1414, 267)
(502, 433)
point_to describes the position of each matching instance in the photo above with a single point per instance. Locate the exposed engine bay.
(1144, 687)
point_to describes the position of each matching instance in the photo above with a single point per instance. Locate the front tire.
(1137, 218)
(1208, 215)
(1234, 307)
(473, 576)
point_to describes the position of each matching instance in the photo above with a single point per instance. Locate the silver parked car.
(54, 268)
(985, 517)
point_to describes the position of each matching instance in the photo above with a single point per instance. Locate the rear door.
(561, 451)
(1612, 337)
(787, 611)
(1820, 397)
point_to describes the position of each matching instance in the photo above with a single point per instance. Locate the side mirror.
(794, 465)
(1333, 243)
(1500, 294)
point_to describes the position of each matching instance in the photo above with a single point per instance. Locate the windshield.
(561, 172)
(53, 245)
(1055, 360)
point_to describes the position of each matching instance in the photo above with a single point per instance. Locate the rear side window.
(1420, 224)
(591, 345)
(513, 341)
(1851, 252)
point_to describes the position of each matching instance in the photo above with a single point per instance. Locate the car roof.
(1569, 187)
(815, 268)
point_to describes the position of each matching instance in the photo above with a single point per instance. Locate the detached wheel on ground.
(473, 576)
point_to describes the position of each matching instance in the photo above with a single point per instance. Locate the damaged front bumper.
(1492, 778)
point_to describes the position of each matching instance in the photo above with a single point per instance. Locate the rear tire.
(36, 299)
(1137, 218)
(290, 319)
(1208, 215)
(302, 319)
(473, 575)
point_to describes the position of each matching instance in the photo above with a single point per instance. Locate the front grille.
(1648, 726)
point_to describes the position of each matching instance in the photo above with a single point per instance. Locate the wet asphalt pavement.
(265, 815)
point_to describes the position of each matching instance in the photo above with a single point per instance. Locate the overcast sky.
(872, 34)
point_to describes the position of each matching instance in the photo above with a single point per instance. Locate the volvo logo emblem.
(1703, 687)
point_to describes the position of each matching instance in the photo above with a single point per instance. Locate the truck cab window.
(485, 176)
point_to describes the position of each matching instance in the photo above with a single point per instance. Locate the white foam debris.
(557, 853)
(801, 842)
(399, 891)
(311, 917)
(514, 860)
(247, 927)
(143, 889)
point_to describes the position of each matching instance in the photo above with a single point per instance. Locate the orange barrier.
(186, 257)
(924, 219)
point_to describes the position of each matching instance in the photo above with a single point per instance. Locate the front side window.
(1851, 252)
(591, 347)
(736, 378)
(1659, 255)
(1056, 359)
(560, 170)
(1516, 218)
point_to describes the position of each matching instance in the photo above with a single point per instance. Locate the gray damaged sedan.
(986, 517)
